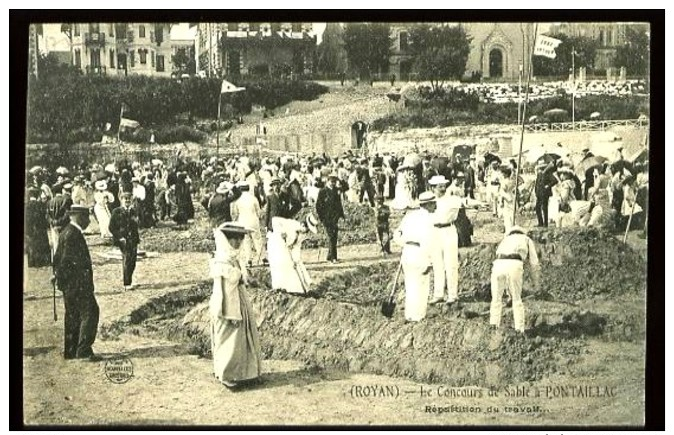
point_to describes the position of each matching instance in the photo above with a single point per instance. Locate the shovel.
(389, 305)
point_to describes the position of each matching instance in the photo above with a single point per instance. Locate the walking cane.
(53, 248)
(629, 221)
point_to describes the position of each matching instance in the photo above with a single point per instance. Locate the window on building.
(160, 63)
(254, 27)
(112, 58)
(404, 40)
(111, 30)
(78, 58)
(76, 31)
(609, 37)
(602, 40)
(142, 53)
(152, 58)
(296, 27)
(158, 34)
(275, 27)
(132, 59)
(141, 31)
(265, 27)
(232, 27)
(94, 28)
(95, 58)
(121, 31)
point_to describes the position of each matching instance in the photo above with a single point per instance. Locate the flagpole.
(217, 134)
(121, 115)
(524, 117)
(573, 95)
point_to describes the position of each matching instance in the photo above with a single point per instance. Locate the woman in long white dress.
(235, 341)
(284, 249)
(404, 188)
(101, 208)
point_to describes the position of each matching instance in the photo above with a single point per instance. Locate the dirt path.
(171, 386)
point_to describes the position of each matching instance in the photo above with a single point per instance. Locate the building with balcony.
(236, 49)
(608, 35)
(122, 48)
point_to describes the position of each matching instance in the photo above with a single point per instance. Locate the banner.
(228, 87)
(545, 46)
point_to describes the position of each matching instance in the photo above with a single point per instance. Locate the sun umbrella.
(547, 158)
(587, 165)
(533, 118)
(555, 113)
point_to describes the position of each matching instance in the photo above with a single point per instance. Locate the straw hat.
(438, 180)
(312, 223)
(426, 197)
(101, 185)
(233, 229)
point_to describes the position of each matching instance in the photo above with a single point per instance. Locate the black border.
(19, 21)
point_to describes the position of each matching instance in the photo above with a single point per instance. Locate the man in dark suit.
(73, 274)
(543, 191)
(329, 210)
(277, 203)
(124, 229)
(471, 178)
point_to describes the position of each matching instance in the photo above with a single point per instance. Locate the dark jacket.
(58, 210)
(329, 206)
(277, 205)
(72, 262)
(124, 224)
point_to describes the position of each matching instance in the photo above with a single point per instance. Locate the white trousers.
(417, 285)
(446, 263)
(507, 274)
(507, 212)
(251, 242)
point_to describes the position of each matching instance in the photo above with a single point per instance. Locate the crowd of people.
(246, 195)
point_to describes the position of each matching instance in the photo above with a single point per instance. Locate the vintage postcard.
(336, 223)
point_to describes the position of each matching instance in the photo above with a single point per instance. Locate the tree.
(331, 53)
(585, 48)
(182, 62)
(634, 54)
(440, 53)
(368, 47)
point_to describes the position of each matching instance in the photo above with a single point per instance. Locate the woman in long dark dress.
(37, 241)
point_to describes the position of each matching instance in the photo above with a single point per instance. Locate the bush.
(60, 105)
(429, 109)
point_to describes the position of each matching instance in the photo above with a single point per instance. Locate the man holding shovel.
(507, 273)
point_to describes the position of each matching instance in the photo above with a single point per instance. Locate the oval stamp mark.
(119, 370)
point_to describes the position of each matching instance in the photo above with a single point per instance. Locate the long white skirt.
(286, 266)
(103, 218)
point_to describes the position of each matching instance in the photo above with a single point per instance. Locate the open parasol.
(587, 165)
(555, 113)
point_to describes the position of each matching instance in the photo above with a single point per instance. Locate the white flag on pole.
(229, 87)
(545, 46)
(128, 123)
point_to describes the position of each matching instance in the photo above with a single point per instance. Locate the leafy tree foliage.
(331, 53)
(585, 48)
(440, 53)
(368, 47)
(634, 54)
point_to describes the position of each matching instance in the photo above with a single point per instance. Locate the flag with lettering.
(228, 87)
(545, 46)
